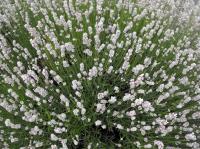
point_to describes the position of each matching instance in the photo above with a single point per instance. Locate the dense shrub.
(99, 74)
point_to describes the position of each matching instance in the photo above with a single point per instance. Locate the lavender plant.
(78, 74)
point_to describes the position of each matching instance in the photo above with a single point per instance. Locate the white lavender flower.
(99, 74)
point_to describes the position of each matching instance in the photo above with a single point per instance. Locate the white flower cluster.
(99, 74)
